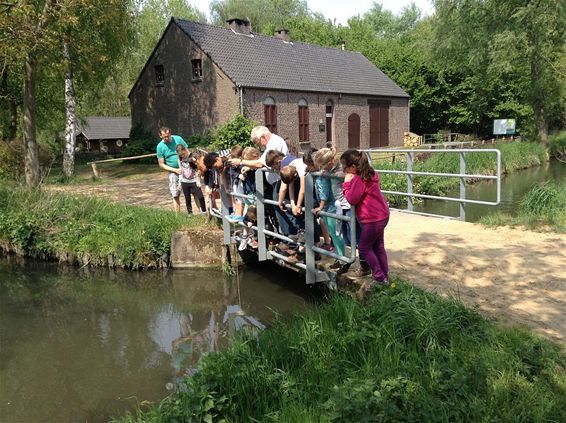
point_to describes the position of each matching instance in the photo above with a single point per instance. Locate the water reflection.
(83, 345)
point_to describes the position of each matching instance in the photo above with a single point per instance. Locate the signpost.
(504, 127)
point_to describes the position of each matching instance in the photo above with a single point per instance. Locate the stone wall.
(198, 248)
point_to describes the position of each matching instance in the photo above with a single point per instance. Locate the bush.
(197, 140)
(141, 142)
(557, 145)
(12, 159)
(235, 132)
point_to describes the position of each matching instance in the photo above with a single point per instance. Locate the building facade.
(199, 76)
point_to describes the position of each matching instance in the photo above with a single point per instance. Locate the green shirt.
(168, 150)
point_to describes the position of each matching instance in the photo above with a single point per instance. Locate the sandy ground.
(516, 276)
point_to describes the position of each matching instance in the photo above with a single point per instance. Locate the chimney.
(239, 26)
(283, 34)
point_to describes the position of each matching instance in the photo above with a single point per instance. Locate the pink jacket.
(371, 205)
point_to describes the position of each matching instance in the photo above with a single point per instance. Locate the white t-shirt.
(275, 143)
(300, 166)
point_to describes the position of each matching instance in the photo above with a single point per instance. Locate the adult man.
(263, 138)
(168, 160)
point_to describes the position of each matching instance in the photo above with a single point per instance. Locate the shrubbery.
(543, 207)
(12, 159)
(557, 145)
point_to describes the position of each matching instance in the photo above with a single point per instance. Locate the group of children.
(345, 181)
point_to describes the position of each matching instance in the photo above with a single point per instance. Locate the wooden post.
(94, 170)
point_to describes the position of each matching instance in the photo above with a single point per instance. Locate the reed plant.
(90, 230)
(402, 355)
(543, 208)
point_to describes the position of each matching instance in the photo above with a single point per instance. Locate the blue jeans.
(287, 221)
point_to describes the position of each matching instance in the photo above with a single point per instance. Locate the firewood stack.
(411, 140)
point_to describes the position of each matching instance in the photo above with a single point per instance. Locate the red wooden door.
(378, 124)
(354, 131)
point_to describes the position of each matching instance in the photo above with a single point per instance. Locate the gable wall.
(188, 107)
(344, 105)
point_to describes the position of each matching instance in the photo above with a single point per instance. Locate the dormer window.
(159, 75)
(197, 69)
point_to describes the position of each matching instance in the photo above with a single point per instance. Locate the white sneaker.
(243, 244)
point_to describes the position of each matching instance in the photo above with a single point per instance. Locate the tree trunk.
(70, 121)
(31, 159)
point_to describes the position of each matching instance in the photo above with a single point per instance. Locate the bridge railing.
(462, 175)
(313, 273)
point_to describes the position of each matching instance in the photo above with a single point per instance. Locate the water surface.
(81, 345)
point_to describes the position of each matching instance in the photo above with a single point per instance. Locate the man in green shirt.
(169, 160)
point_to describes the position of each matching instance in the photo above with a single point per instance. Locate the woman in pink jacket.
(362, 189)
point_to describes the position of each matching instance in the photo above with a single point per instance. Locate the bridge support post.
(462, 186)
(409, 181)
(309, 230)
(260, 211)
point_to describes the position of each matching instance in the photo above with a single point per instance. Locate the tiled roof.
(104, 128)
(268, 62)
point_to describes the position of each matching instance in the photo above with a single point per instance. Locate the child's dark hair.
(210, 159)
(273, 157)
(288, 174)
(236, 151)
(180, 147)
(251, 214)
(193, 157)
(308, 157)
(360, 160)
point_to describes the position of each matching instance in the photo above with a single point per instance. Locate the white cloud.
(341, 10)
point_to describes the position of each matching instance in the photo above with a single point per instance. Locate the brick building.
(201, 75)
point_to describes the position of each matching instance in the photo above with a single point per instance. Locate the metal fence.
(462, 176)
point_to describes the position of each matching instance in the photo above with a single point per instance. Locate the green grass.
(90, 230)
(402, 356)
(107, 172)
(514, 156)
(542, 208)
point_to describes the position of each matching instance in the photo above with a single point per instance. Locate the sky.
(341, 10)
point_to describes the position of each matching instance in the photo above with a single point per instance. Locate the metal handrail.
(462, 200)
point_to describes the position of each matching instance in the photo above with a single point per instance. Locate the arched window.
(270, 114)
(303, 120)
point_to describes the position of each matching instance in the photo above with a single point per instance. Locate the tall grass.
(405, 355)
(86, 229)
(542, 208)
(515, 156)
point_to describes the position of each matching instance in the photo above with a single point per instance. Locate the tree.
(512, 54)
(265, 15)
(93, 35)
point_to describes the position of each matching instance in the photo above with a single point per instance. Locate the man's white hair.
(258, 132)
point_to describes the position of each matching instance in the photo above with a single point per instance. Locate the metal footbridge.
(315, 272)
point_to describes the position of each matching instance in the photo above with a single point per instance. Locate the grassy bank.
(87, 230)
(404, 355)
(514, 156)
(542, 208)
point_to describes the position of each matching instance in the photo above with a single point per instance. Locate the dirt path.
(514, 275)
